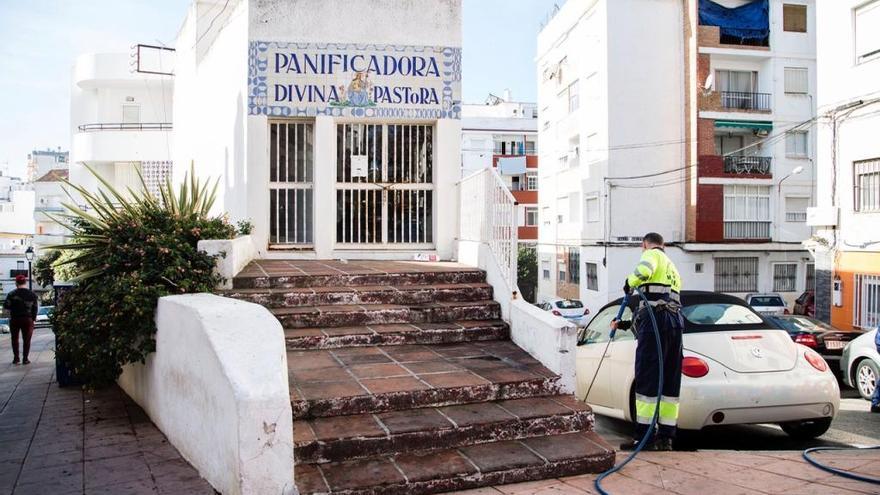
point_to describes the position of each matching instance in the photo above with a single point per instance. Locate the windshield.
(800, 324)
(569, 304)
(766, 301)
(45, 310)
(720, 314)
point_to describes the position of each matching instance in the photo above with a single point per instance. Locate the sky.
(39, 40)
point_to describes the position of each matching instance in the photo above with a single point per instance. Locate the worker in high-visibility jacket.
(658, 279)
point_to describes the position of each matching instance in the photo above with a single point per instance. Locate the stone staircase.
(404, 381)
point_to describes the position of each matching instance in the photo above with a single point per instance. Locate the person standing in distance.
(22, 306)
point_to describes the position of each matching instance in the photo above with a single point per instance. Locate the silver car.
(860, 364)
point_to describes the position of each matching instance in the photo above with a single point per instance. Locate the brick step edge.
(430, 440)
(453, 470)
(407, 278)
(289, 298)
(316, 339)
(481, 310)
(412, 399)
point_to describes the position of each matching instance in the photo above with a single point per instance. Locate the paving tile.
(62, 476)
(115, 470)
(335, 373)
(430, 466)
(302, 432)
(454, 379)
(561, 447)
(413, 420)
(302, 360)
(308, 479)
(528, 487)
(423, 367)
(478, 413)
(378, 370)
(361, 425)
(50, 460)
(350, 475)
(329, 390)
(136, 487)
(388, 385)
(501, 456)
(112, 450)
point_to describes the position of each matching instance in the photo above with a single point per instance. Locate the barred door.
(385, 185)
(291, 163)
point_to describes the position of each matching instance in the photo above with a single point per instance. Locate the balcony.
(739, 100)
(122, 142)
(746, 230)
(127, 126)
(747, 165)
(14, 273)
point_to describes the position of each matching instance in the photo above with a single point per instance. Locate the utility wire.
(210, 24)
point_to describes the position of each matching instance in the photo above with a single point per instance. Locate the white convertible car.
(736, 369)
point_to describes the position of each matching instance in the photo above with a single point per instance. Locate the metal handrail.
(127, 126)
(734, 164)
(745, 100)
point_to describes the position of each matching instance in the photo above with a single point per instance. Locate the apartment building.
(503, 133)
(847, 214)
(49, 195)
(120, 117)
(40, 162)
(701, 132)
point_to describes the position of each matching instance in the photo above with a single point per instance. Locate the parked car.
(819, 336)
(736, 369)
(4, 325)
(43, 314)
(767, 304)
(805, 304)
(860, 364)
(570, 309)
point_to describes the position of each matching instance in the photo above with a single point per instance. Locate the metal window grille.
(532, 180)
(291, 164)
(155, 174)
(746, 212)
(385, 183)
(866, 185)
(784, 277)
(574, 265)
(866, 310)
(736, 274)
(810, 279)
(592, 276)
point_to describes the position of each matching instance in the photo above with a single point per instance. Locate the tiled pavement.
(65, 441)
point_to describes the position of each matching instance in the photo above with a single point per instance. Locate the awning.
(744, 124)
(513, 165)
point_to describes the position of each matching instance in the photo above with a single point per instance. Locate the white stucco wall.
(217, 388)
(233, 255)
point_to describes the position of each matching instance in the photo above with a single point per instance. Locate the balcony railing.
(127, 126)
(746, 230)
(795, 216)
(745, 101)
(747, 164)
(14, 273)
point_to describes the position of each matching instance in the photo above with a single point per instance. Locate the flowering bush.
(127, 252)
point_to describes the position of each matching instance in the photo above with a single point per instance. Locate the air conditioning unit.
(823, 216)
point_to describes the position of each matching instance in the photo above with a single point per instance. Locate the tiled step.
(396, 334)
(343, 438)
(340, 315)
(368, 294)
(458, 469)
(249, 279)
(357, 380)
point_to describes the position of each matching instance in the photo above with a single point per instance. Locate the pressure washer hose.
(653, 424)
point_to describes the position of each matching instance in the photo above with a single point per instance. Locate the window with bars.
(810, 278)
(532, 181)
(736, 274)
(592, 270)
(746, 212)
(866, 310)
(291, 145)
(574, 265)
(866, 186)
(796, 80)
(784, 277)
(796, 209)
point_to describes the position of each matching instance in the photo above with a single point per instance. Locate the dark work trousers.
(26, 327)
(670, 325)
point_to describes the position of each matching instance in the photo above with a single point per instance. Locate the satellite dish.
(710, 82)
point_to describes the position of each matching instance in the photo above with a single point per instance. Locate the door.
(291, 164)
(589, 355)
(385, 185)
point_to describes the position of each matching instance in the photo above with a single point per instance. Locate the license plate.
(833, 344)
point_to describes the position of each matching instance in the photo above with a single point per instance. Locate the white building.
(333, 126)
(49, 195)
(503, 133)
(16, 210)
(40, 162)
(650, 119)
(120, 117)
(847, 245)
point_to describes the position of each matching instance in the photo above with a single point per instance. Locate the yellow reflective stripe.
(646, 409)
(668, 410)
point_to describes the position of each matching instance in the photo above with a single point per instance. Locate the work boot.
(632, 444)
(875, 409)
(663, 444)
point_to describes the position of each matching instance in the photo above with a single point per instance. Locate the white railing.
(488, 216)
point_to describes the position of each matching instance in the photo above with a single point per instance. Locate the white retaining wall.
(217, 388)
(234, 254)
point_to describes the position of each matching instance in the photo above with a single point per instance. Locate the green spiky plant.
(127, 251)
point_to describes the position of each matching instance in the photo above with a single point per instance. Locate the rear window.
(720, 314)
(766, 301)
(569, 304)
(802, 324)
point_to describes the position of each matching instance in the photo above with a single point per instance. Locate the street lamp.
(29, 255)
(797, 170)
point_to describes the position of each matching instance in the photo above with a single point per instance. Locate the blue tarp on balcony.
(749, 22)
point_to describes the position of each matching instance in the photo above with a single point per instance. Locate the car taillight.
(785, 311)
(806, 339)
(694, 367)
(557, 313)
(816, 361)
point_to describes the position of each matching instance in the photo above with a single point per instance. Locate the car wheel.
(865, 378)
(806, 430)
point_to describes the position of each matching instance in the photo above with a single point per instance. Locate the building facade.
(503, 134)
(49, 196)
(120, 117)
(704, 143)
(847, 215)
(335, 126)
(40, 162)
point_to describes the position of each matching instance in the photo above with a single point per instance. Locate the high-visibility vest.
(655, 269)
